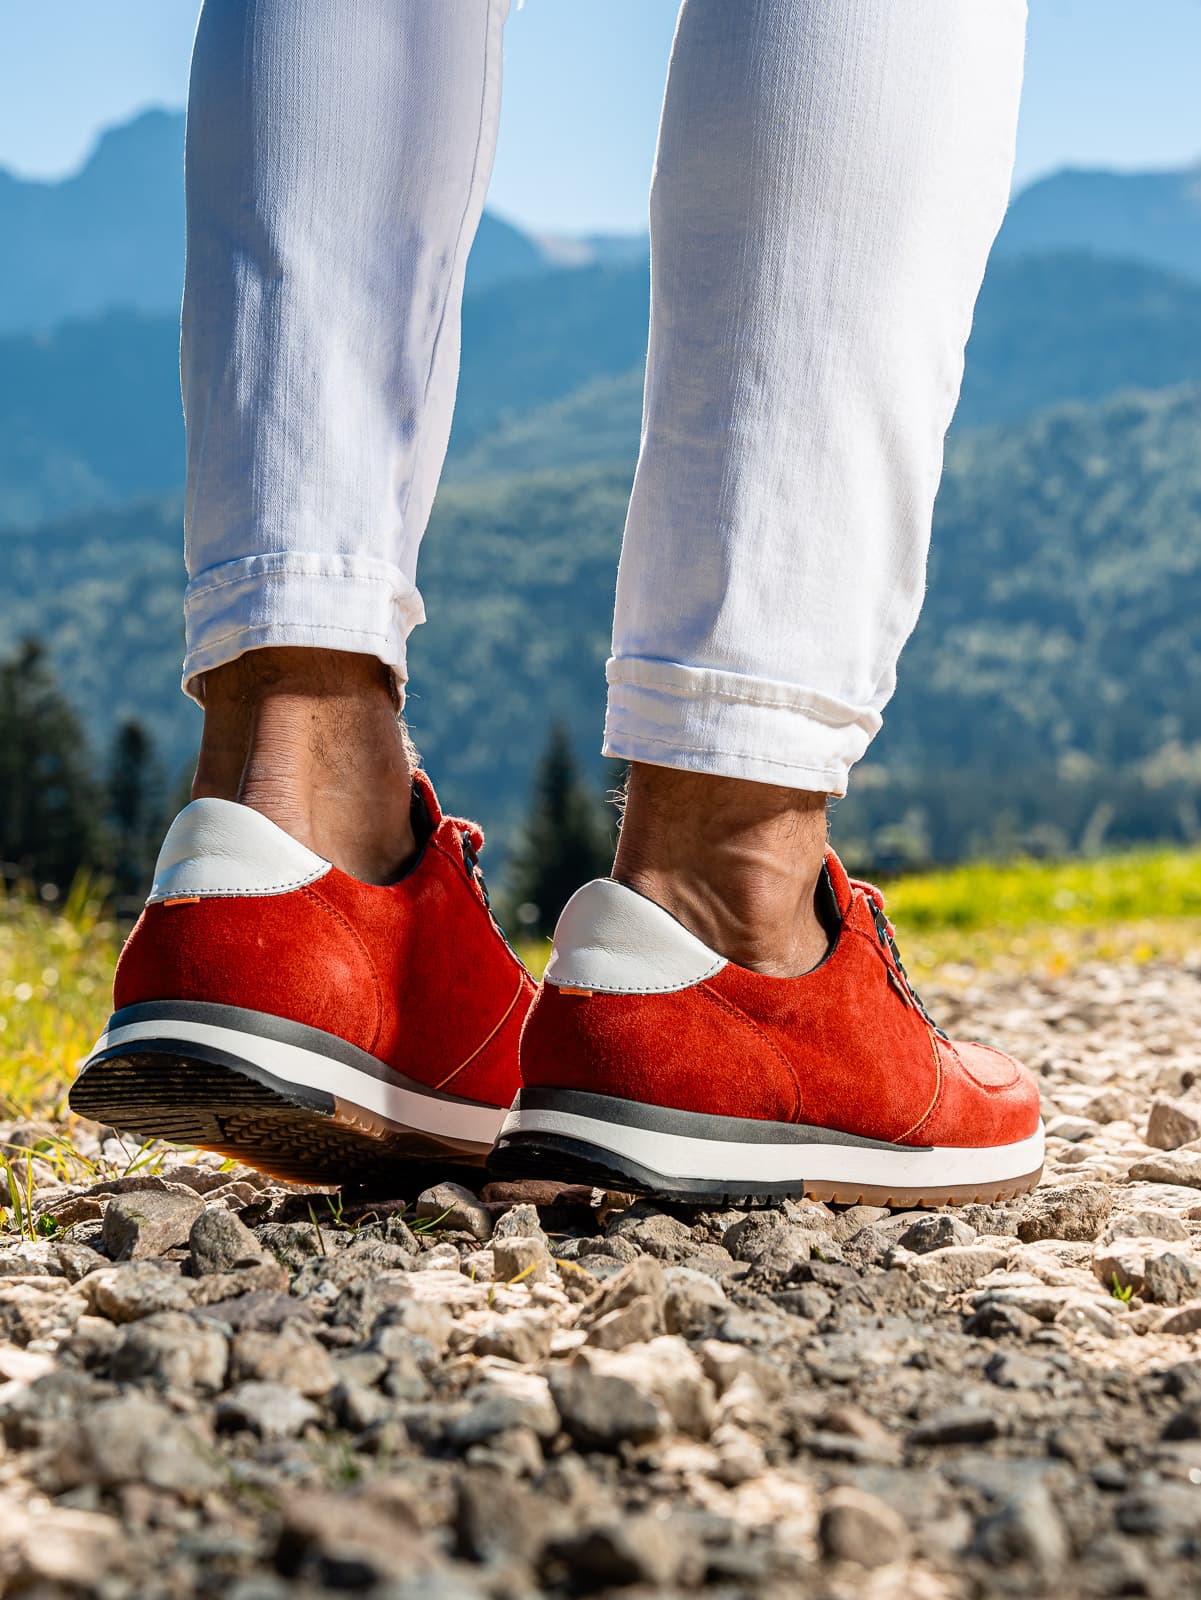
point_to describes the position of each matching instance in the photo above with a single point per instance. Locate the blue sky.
(1108, 83)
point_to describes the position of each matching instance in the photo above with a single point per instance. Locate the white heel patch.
(217, 847)
(612, 940)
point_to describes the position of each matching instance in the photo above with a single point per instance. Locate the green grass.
(56, 975)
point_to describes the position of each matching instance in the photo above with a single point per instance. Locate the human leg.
(316, 985)
(336, 167)
(730, 1016)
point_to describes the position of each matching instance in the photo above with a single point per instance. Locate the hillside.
(90, 414)
(1054, 672)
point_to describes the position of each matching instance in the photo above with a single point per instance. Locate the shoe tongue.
(840, 884)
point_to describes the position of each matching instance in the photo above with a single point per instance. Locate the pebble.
(453, 1207)
(221, 1242)
(1171, 1124)
(138, 1226)
(272, 1410)
(1069, 1211)
(861, 1528)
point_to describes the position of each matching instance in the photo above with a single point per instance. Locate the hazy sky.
(1108, 83)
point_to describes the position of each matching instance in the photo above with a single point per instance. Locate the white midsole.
(676, 1155)
(309, 1069)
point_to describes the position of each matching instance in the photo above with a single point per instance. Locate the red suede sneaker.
(273, 1008)
(650, 1063)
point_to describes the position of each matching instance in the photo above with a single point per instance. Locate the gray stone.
(358, 1407)
(1186, 1320)
(936, 1232)
(75, 1261)
(135, 1440)
(1170, 1279)
(655, 1233)
(137, 1226)
(504, 1400)
(955, 1425)
(221, 1242)
(693, 1304)
(497, 1519)
(1171, 1124)
(602, 1409)
(520, 1336)
(1075, 1211)
(337, 1543)
(1143, 1224)
(638, 1279)
(1121, 1263)
(764, 1232)
(520, 1259)
(1182, 1167)
(271, 1410)
(641, 1549)
(291, 1357)
(1072, 1130)
(1025, 1528)
(126, 1293)
(634, 1323)
(520, 1222)
(859, 1527)
(172, 1351)
(457, 1208)
(1161, 1510)
(1012, 1369)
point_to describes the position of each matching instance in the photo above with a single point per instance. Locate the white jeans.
(829, 179)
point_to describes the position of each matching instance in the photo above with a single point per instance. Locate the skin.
(313, 739)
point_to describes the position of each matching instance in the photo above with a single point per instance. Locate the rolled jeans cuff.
(732, 726)
(327, 602)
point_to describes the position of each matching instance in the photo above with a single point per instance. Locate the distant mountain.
(112, 235)
(1052, 683)
(551, 376)
(1153, 217)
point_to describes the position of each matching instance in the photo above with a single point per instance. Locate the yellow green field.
(56, 963)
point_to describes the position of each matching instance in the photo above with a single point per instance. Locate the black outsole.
(192, 1094)
(561, 1159)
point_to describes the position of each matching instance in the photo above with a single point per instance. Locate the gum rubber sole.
(693, 1159)
(276, 1102)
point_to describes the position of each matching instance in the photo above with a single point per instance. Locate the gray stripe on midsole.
(695, 1124)
(282, 1030)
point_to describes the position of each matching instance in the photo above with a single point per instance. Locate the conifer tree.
(134, 806)
(566, 841)
(51, 809)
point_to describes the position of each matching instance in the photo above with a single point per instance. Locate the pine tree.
(134, 806)
(565, 842)
(51, 809)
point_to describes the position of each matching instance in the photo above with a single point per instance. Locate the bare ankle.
(736, 862)
(313, 739)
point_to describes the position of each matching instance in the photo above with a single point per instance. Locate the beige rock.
(1172, 1123)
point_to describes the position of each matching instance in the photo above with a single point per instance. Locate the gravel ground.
(216, 1384)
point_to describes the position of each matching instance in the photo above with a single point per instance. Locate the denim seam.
(729, 695)
(717, 750)
(286, 572)
(259, 627)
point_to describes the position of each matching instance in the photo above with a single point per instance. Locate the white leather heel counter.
(612, 940)
(217, 847)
